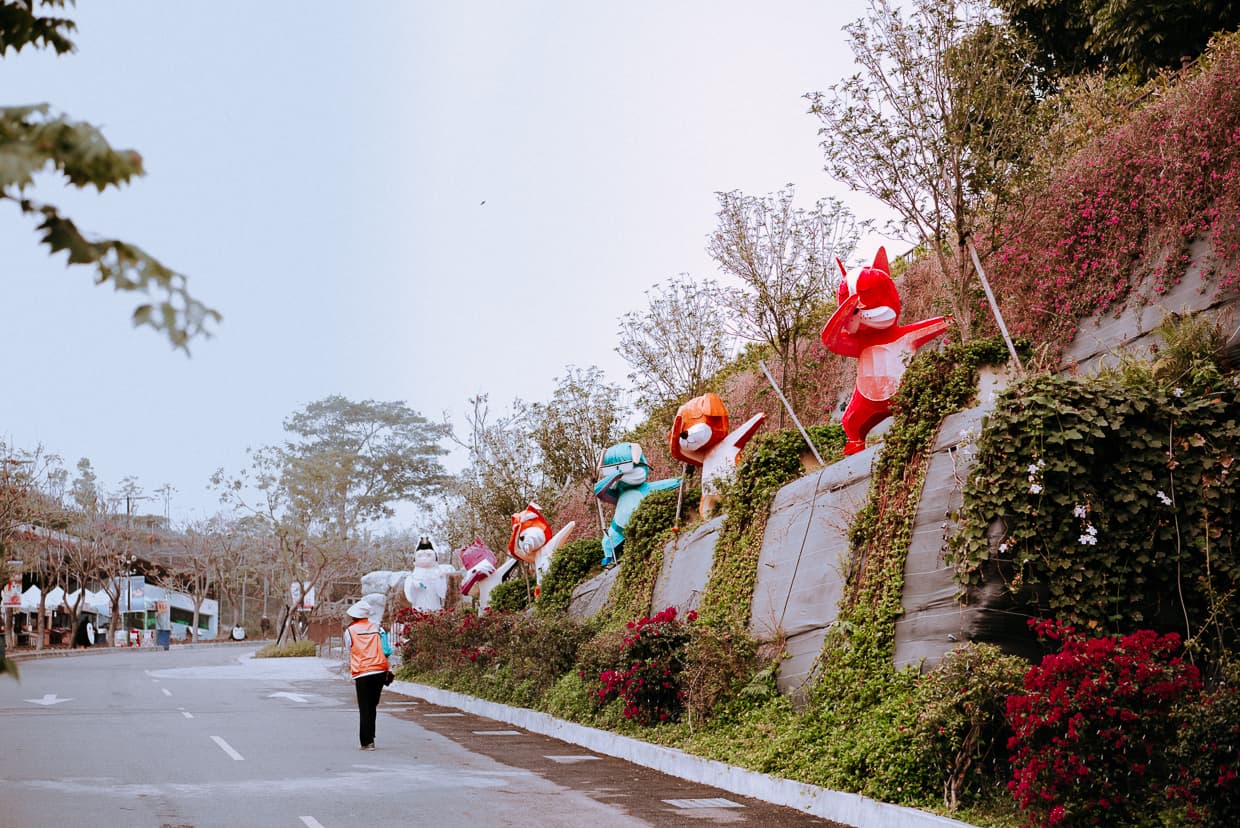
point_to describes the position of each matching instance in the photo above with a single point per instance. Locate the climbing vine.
(1112, 501)
(935, 385)
(641, 556)
(770, 462)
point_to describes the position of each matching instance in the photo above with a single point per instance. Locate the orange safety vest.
(365, 649)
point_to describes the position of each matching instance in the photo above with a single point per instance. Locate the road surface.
(208, 736)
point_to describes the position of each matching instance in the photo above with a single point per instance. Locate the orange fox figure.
(864, 326)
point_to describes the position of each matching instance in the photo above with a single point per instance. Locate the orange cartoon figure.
(700, 437)
(532, 541)
(864, 326)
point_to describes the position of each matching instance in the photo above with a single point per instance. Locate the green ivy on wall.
(571, 565)
(641, 556)
(1113, 499)
(863, 639)
(772, 461)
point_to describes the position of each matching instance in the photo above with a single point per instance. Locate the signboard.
(11, 594)
(300, 602)
(134, 594)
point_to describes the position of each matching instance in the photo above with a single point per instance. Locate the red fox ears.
(843, 270)
(880, 261)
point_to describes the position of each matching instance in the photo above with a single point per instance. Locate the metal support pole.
(994, 306)
(791, 413)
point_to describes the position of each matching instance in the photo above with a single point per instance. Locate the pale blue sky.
(317, 168)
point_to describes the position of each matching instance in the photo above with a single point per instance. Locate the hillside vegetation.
(1106, 506)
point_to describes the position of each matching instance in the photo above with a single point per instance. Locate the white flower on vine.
(1087, 540)
(1179, 392)
(1080, 511)
(1036, 488)
(1003, 547)
(1090, 530)
(1161, 495)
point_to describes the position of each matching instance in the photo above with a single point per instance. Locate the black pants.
(368, 690)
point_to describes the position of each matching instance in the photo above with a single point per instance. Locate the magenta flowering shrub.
(647, 674)
(1095, 727)
(1125, 208)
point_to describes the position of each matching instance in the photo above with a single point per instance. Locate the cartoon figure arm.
(927, 329)
(742, 435)
(557, 540)
(839, 332)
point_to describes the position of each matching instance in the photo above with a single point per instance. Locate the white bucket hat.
(361, 609)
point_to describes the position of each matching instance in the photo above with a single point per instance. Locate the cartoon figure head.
(878, 301)
(700, 424)
(530, 532)
(624, 466)
(424, 558)
(479, 562)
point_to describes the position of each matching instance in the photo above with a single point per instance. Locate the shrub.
(513, 595)
(719, 662)
(572, 564)
(647, 673)
(290, 649)
(1207, 754)
(1126, 207)
(1091, 730)
(961, 725)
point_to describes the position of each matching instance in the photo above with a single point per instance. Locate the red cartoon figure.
(700, 437)
(864, 326)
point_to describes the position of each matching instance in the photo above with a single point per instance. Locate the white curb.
(850, 809)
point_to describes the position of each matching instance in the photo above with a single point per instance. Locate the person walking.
(368, 665)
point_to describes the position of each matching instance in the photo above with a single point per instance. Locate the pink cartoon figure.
(864, 326)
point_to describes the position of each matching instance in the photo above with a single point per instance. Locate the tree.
(33, 139)
(85, 488)
(677, 344)
(1137, 36)
(785, 258)
(933, 126)
(503, 474)
(350, 461)
(584, 416)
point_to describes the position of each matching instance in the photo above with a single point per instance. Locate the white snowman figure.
(426, 585)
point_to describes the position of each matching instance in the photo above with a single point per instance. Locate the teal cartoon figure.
(624, 481)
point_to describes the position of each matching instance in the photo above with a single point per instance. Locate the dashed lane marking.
(227, 748)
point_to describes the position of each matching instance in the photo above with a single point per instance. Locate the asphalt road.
(206, 736)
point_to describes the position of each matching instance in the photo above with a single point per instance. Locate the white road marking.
(48, 699)
(718, 802)
(227, 748)
(568, 760)
(167, 692)
(297, 697)
(187, 714)
(311, 822)
(497, 733)
(445, 714)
